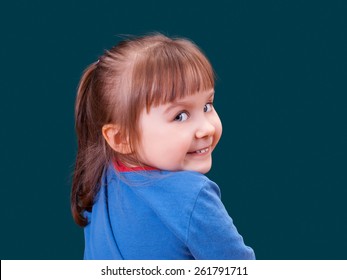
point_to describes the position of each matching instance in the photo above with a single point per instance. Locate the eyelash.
(178, 118)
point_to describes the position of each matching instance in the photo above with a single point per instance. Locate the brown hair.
(132, 76)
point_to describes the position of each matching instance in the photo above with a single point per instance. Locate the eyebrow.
(176, 104)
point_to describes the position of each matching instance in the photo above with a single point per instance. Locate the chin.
(203, 169)
(198, 166)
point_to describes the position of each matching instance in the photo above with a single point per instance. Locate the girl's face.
(180, 135)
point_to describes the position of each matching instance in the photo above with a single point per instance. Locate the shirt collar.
(120, 167)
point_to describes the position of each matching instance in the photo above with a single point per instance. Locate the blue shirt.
(157, 215)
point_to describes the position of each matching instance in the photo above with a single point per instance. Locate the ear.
(115, 140)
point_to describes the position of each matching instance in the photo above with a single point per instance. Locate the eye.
(181, 117)
(208, 107)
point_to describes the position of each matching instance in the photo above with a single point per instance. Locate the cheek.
(177, 144)
(219, 128)
(183, 144)
(178, 138)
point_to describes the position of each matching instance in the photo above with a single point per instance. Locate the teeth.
(202, 151)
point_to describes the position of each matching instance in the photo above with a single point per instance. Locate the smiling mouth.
(200, 152)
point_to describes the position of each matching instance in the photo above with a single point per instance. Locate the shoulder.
(165, 191)
(186, 179)
(177, 184)
(182, 183)
(172, 196)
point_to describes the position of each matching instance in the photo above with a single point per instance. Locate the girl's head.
(120, 97)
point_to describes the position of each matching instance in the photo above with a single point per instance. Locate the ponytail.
(91, 156)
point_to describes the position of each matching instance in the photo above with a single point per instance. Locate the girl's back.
(161, 215)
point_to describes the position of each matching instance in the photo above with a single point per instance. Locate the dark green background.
(281, 95)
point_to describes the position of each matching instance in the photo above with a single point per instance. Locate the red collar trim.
(119, 166)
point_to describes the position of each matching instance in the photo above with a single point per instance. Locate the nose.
(206, 129)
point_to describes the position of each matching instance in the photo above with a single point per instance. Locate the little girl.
(146, 129)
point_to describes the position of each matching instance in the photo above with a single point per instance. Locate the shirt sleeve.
(211, 233)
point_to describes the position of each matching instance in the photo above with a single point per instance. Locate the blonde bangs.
(169, 71)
